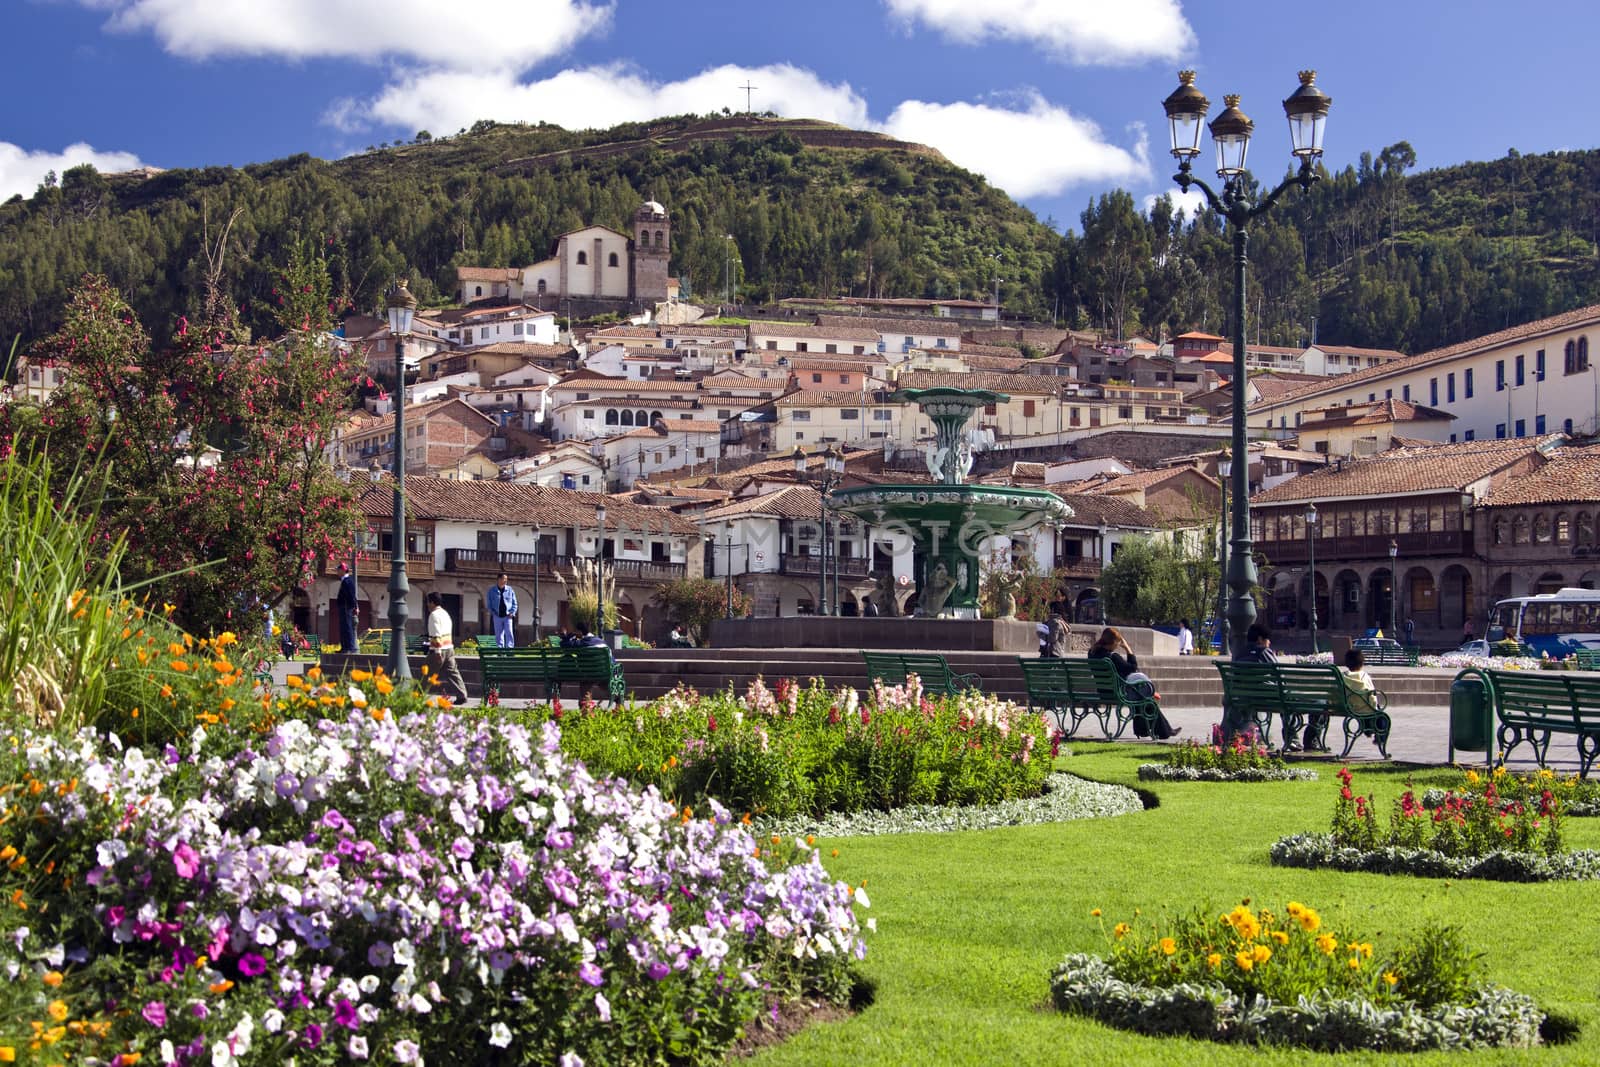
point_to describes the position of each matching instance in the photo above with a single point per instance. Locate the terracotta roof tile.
(1399, 471)
(517, 504)
(839, 332)
(1091, 509)
(790, 502)
(1032, 384)
(1572, 476)
(1375, 413)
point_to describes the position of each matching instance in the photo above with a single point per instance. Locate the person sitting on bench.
(1114, 647)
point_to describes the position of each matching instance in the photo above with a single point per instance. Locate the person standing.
(441, 662)
(1185, 638)
(501, 601)
(1057, 637)
(347, 609)
(1411, 632)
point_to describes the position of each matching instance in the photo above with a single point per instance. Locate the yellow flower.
(1355, 963)
(8, 1054)
(1245, 961)
(57, 1010)
(1327, 943)
(1214, 960)
(54, 1034)
(1168, 946)
(1472, 777)
(1280, 937)
(1391, 977)
(359, 675)
(1295, 909)
(1120, 930)
(1262, 953)
(1309, 921)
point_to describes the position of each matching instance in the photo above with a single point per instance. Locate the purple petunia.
(155, 1013)
(344, 1014)
(252, 964)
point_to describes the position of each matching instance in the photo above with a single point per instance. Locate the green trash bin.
(1471, 717)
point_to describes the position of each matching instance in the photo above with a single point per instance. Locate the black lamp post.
(828, 477)
(1224, 466)
(538, 562)
(401, 306)
(1311, 538)
(1307, 110)
(1394, 589)
(728, 568)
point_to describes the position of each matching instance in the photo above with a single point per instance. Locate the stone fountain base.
(905, 634)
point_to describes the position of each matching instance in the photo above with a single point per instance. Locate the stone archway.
(1381, 607)
(1456, 608)
(1087, 607)
(1419, 599)
(1550, 582)
(1344, 613)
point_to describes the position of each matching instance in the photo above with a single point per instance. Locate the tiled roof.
(516, 504)
(1375, 413)
(1566, 320)
(1032, 384)
(667, 427)
(1005, 364)
(487, 274)
(1091, 509)
(1344, 350)
(824, 333)
(517, 348)
(823, 398)
(1399, 471)
(605, 384)
(878, 324)
(728, 379)
(1572, 476)
(790, 502)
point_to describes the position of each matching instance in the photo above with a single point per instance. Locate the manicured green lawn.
(971, 925)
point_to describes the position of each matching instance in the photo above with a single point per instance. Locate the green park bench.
(552, 666)
(1294, 692)
(1532, 705)
(892, 667)
(1587, 659)
(1072, 690)
(1389, 655)
(313, 644)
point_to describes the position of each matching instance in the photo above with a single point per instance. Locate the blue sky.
(1054, 101)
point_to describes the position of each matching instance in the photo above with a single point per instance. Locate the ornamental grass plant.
(793, 750)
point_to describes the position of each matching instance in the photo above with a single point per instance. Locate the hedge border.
(1162, 772)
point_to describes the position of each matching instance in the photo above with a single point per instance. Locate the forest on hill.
(1376, 256)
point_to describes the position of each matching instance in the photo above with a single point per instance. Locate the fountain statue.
(950, 522)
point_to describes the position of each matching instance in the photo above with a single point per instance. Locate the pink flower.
(155, 1013)
(186, 860)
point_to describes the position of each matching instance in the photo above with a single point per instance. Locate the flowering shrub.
(1257, 976)
(1463, 824)
(372, 877)
(1457, 660)
(1242, 759)
(1576, 796)
(790, 750)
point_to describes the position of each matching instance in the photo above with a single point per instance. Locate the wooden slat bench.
(1531, 705)
(1072, 690)
(1388, 656)
(1294, 692)
(935, 673)
(1588, 659)
(590, 665)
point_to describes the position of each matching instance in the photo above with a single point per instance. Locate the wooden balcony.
(1081, 567)
(470, 561)
(853, 568)
(1373, 546)
(375, 564)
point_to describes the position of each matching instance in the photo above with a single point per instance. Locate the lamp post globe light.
(1224, 467)
(1307, 110)
(401, 307)
(1311, 537)
(1394, 589)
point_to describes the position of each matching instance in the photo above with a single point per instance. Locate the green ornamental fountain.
(949, 522)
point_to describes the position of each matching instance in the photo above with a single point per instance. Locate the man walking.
(347, 609)
(501, 600)
(441, 662)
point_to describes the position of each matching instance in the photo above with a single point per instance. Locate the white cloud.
(1078, 31)
(1038, 150)
(595, 97)
(21, 171)
(1189, 202)
(460, 34)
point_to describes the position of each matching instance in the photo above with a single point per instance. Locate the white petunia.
(500, 1035)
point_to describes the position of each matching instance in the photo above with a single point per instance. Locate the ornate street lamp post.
(728, 569)
(538, 562)
(1307, 110)
(1311, 537)
(1394, 590)
(401, 306)
(1224, 466)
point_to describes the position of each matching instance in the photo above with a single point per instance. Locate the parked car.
(1478, 647)
(1377, 644)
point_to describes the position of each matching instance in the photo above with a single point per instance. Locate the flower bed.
(390, 882)
(1578, 797)
(1467, 835)
(1260, 978)
(794, 750)
(1065, 797)
(1243, 759)
(1457, 660)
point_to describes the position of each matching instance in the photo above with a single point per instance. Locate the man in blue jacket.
(501, 600)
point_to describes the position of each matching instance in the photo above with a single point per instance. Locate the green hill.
(815, 209)
(1374, 256)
